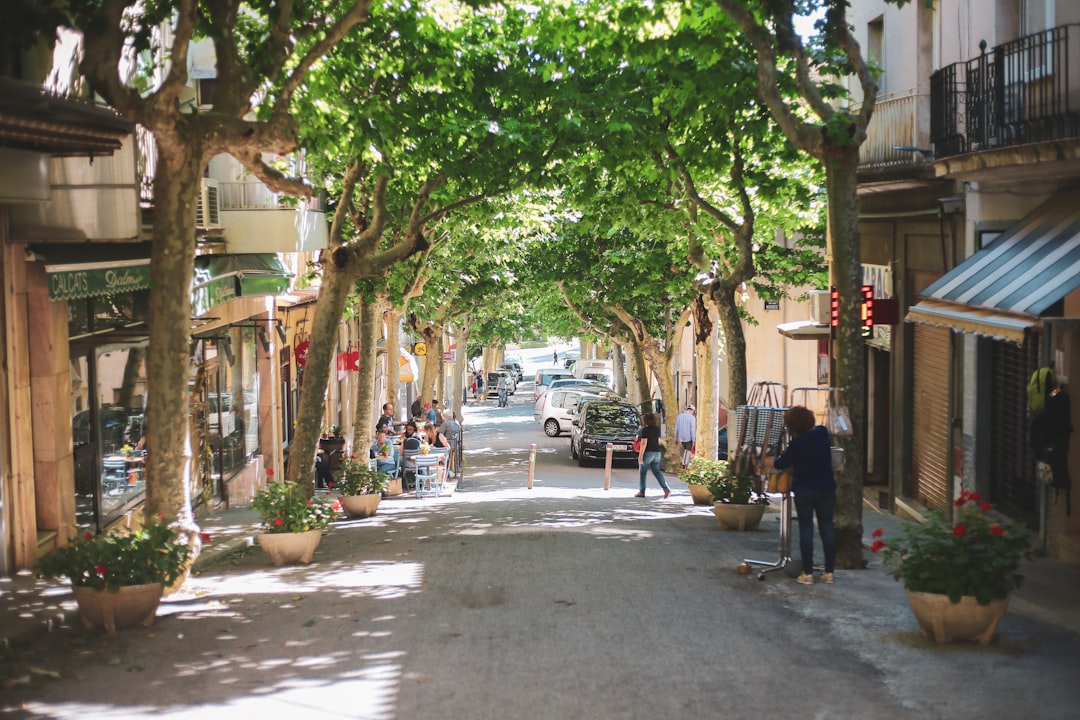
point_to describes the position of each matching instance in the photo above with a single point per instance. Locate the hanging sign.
(348, 361)
(420, 349)
(301, 352)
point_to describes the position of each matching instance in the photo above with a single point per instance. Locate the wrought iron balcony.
(899, 121)
(1020, 92)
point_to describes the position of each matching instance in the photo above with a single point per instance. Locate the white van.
(599, 371)
(544, 376)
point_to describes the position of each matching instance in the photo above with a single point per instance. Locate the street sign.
(420, 349)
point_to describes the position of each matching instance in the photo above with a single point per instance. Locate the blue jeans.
(807, 504)
(502, 397)
(651, 462)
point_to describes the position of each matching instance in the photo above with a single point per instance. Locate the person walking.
(555, 357)
(809, 452)
(451, 428)
(649, 455)
(686, 433)
(502, 388)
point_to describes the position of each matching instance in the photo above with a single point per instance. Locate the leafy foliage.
(286, 507)
(357, 478)
(971, 555)
(151, 554)
(722, 483)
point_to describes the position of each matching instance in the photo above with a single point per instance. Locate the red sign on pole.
(301, 352)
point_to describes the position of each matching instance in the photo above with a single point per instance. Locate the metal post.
(532, 463)
(607, 466)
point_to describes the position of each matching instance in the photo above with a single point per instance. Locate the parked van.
(544, 376)
(599, 371)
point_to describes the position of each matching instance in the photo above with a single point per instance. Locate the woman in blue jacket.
(809, 451)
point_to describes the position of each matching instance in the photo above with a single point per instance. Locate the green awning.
(262, 274)
(213, 282)
(81, 270)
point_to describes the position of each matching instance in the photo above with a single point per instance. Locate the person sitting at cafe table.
(435, 438)
(382, 450)
(387, 419)
(412, 438)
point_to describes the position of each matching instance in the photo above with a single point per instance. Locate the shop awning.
(219, 278)
(803, 330)
(81, 270)
(408, 371)
(1001, 290)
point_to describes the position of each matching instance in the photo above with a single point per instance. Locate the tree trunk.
(364, 413)
(432, 361)
(641, 373)
(849, 350)
(704, 313)
(329, 308)
(618, 365)
(734, 347)
(392, 319)
(168, 363)
(462, 340)
(440, 379)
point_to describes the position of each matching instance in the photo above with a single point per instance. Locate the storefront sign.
(88, 281)
(301, 352)
(880, 278)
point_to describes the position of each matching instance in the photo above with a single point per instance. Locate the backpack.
(1039, 387)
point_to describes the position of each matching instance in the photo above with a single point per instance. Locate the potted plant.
(292, 520)
(360, 488)
(958, 572)
(118, 577)
(736, 503)
(697, 476)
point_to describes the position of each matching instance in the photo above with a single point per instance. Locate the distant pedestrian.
(686, 433)
(649, 455)
(810, 454)
(451, 428)
(555, 357)
(479, 386)
(502, 388)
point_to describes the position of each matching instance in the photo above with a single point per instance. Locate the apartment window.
(875, 48)
(1036, 15)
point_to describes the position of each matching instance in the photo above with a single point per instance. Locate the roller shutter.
(1012, 478)
(930, 413)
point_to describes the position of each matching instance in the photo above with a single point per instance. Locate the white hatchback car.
(555, 408)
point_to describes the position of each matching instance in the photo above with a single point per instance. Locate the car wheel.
(551, 427)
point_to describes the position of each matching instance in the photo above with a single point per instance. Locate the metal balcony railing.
(895, 124)
(254, 195)
(1020, 92)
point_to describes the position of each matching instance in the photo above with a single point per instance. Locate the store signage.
(83, 283)
(301, 352)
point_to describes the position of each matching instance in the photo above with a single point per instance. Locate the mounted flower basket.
(360, 487)
(956, 569)
(118, 577)
(292, 521)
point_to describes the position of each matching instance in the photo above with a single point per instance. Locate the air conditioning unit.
(819, 307)
(208, 210)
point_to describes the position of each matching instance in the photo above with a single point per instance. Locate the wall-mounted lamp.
(281, 332)
(264, 340)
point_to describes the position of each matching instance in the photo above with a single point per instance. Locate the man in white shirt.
(686, 432)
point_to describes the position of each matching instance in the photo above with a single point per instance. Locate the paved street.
(564, 602)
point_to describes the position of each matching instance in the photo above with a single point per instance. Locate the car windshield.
(611, 416)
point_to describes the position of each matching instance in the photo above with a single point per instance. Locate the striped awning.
(1002, 290)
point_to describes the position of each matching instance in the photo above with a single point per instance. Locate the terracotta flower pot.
(360, 506)
(290, 547)
(944, 621)
(739, 517)
(700, 494)
(127, 607)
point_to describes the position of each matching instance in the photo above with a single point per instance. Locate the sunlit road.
(566, 601)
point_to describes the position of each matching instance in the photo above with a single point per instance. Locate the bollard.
(532, 463)
(607, 466)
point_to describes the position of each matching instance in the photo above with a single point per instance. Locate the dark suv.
(599, 422)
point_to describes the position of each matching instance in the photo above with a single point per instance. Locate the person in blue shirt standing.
(809, 452)
(686, 433)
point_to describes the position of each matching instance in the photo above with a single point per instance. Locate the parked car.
(515, 369)
(576, 382)
(544, 376)
(571, 357)
(555, 408)
(491, 385)
(599, 422)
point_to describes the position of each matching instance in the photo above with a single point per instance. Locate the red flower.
(100, 569)
(985, 507)
(959, 530)
(336, 506)
(88, 535)
(877, 546)
(329, 483)
(878, 533)
(996, 529)
(974, 497)
(204, 536)
(960, 500)
(279, 522)
(161, 516)
(269, 472)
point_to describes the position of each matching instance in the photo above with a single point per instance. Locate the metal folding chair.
(428, 476)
